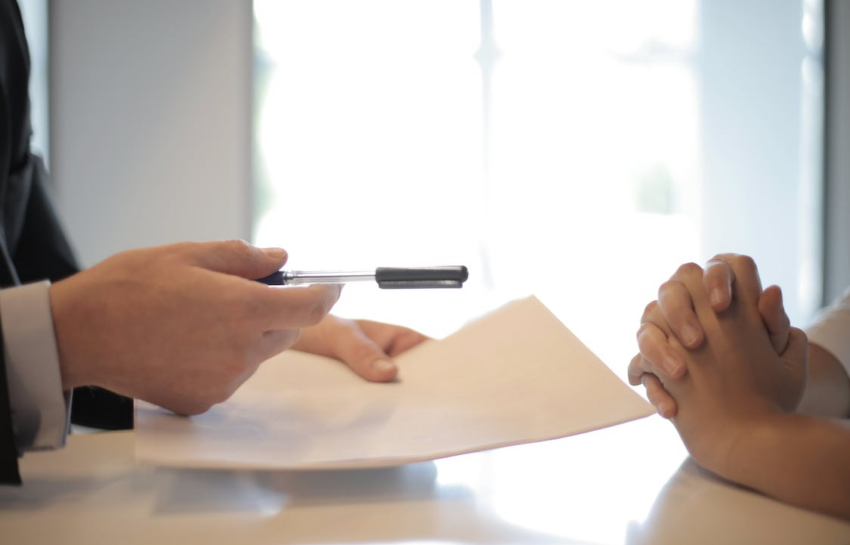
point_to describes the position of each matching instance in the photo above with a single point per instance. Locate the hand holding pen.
(386, 277)
(183, 329)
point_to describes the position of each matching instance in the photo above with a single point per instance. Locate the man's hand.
(182, 325)
(366, 347)
(674, 312)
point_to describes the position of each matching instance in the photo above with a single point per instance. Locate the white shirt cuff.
(40, 409)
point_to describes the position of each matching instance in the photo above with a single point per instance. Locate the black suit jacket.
(32, 244)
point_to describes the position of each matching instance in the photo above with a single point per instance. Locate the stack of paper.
(514, 376)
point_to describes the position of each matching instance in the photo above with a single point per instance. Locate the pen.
(386, 277)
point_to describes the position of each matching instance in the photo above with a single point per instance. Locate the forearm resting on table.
(798, 459)
(828, 386)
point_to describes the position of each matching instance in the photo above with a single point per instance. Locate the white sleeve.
(831, 329)
(40, 409)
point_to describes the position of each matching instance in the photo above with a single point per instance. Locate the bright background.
(579, 151)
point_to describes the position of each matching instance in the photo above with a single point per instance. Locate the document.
(516, 375)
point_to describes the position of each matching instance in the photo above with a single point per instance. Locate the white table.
(631, 484)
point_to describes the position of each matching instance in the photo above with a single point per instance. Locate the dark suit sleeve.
(43, 252)
(9, 473)
(39, 250)
(9, 16)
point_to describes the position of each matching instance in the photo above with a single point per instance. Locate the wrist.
(754, 441)
(721, 441)
(73, 375)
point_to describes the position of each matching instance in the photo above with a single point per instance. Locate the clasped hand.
(717, 354)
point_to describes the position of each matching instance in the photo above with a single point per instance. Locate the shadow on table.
(181, 491)
(402, 504)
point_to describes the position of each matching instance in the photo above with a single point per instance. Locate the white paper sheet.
(514, 376)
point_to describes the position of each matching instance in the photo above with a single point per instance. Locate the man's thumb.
(239, 258)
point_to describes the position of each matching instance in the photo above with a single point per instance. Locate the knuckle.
(188, 247)
(716, 269)
(747, 263)
(239, 247)
(726, 257)
(649, 310)
(687, 270)
(720, 262)
(670, 286)
(647, 342)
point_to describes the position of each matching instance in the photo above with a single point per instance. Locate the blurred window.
(577, 150)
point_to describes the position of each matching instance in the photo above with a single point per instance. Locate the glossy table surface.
(630, 484)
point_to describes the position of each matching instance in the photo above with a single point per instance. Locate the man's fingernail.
(662, 409)
(275, 253)
(689, 335)
(383, 366)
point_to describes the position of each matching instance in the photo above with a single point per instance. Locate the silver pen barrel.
(293, 278)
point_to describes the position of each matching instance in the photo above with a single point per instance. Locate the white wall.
(150, 121)
(760, 176)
